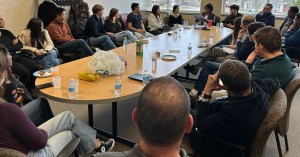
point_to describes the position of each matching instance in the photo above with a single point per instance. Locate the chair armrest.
(69, 148)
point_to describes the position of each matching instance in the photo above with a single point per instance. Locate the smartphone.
(46, 85)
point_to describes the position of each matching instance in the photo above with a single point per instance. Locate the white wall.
(122, 5)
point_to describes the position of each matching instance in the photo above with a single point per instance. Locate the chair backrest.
(277, 108)
(145, 21)
(166, 20)
(124, 18)
(5, 152)
(290, 92)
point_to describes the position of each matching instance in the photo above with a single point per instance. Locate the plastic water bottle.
(154, 61)
(211, 39)
(118, 87)
(72, 89)
(146, 78)
(221, 26)
(217, 27)
(125, 42)
(189, 51)
(204, 43)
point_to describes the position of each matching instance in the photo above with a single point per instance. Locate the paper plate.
(169, 57)
(47, 73)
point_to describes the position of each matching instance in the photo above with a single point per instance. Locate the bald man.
(163, 117)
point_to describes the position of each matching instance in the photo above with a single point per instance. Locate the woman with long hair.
(154, 21)
(37, 40)
(175, 17)
(116, 25)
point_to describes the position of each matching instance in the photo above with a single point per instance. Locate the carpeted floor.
(102, 119)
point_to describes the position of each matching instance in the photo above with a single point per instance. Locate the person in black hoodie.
(236, 118)
(22, 67)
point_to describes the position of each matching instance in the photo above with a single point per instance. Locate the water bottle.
(118, 87)
(221, 26)
(204, 42)
(125, 43)
(211, 39)
(146, 78)
(154, 61)
(189, 51)
(217, 27)
(72, 89)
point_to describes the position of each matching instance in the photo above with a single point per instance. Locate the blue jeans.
(103, 42)
(48, 60)
(61, 129)
(119, 37)
(77, 45)
(207, 69)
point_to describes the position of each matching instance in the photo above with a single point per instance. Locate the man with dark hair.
(62, 37)
(95, 30)
(236, 118)
(207, 14)
(266, 15)
(266, 60)
(135, 22)
(289, 20)
(234, 13)
(292, 38)
(162, 119)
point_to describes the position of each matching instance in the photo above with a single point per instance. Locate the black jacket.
(6, 39)
(94, 27)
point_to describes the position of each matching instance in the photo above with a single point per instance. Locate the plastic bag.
(106, 60)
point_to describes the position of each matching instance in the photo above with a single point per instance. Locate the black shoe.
(106, 146)
(191, 69)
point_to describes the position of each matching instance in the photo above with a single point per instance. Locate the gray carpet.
(102, 119)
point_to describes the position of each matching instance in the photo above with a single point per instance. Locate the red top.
(17, 132)
(60, 32)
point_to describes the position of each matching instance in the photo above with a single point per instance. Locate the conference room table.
(101, 91)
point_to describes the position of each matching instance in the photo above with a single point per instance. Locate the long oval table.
(102, 90)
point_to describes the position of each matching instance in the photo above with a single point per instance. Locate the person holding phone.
(116, 25)
(236, 118)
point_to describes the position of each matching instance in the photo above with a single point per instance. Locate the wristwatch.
(204, 98)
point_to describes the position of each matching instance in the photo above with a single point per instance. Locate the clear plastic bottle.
(217, 26)
(204, 43)
(72, 89)
(154, 61)
(118, 87)
(125, 42)
(211, 39)
(189, 51)
(221, 26)
(146, 78)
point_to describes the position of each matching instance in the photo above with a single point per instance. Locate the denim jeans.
(142, 36)
(61, 129)
(119, 37)
(207, 69)
(38, 111)
(216, 54)
(77, 45)
(49, 59)
(103, 42)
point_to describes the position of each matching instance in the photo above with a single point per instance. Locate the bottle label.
(118, 86)
(146, 78)
(71, 89)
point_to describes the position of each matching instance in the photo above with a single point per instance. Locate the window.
(280, 7)
(167, 5)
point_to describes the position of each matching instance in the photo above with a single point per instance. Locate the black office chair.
(293, 53)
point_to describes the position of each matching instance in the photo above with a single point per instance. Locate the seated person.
(15, 92)
(289, 20)
(37, 40)
(49, 138)
(243, 47)
(154, 21)
(175, 17)
(155, 115)
(236, 118)
(62, 37)
(292, 38)
(266, 15)
(135, 23)
(23, 67)
(234, 13)
(207, 14)
(266, 60)
(96, 33)
(116, 25)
